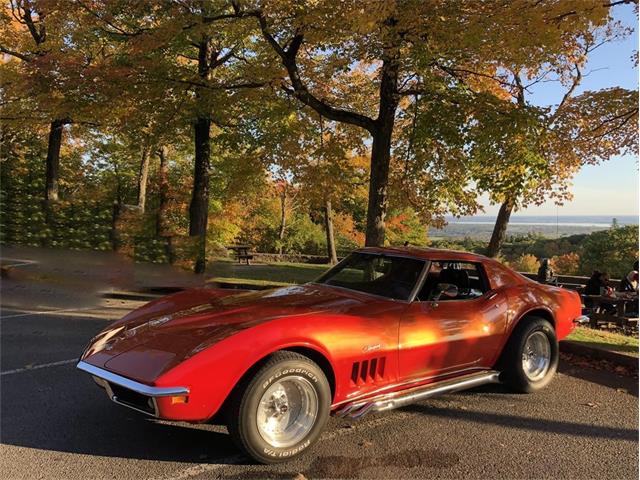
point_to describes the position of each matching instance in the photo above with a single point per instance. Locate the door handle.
(492, 296)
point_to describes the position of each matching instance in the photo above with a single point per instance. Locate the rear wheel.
(280, 411)
(530, 358)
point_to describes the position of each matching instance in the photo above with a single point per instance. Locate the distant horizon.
(566, 220)
(514, 215)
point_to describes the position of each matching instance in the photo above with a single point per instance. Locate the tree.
(405, 226)
(32, 40)
(567, 264)
(171, 46)
(330, 172)
(612, 251)
(404, 49)
(525, 263)
(524, 153)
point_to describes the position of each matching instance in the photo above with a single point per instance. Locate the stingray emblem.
(159, 321)
(371, 348)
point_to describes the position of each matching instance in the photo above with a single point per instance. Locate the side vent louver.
(368, 371)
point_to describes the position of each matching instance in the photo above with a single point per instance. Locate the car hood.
(161, 334)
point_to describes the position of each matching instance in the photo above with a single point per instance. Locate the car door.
(440, 335)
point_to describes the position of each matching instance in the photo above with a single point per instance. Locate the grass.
(261, 274)
(614, 342)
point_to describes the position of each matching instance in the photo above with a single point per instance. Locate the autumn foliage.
(168, 130)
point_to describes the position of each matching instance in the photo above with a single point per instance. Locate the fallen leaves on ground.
(584, 362)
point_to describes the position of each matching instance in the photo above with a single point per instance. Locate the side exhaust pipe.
(393, 400)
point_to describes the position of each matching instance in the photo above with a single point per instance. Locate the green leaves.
(612, 251)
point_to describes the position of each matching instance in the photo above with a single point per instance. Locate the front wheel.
(530, 358)
(281, 410)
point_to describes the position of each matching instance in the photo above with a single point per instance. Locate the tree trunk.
(378, 186)
(328, 225)
(199, 207)
(500, 228)
(381, 149)
(53, 161)
(143, 177)
(115, 235)
(161, 217)
(283, 219)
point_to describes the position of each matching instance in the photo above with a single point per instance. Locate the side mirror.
(446, 290)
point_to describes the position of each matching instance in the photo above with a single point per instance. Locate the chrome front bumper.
(129, 393)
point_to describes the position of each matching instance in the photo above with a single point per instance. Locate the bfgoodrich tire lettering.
(280, 411)
(530, 358)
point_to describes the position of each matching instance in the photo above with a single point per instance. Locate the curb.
(567, 346)
(142, 296)
(152, 293)
(242, 286)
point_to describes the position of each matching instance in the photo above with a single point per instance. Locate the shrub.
(525, 263)
(567, 264)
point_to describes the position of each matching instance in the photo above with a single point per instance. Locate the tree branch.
(15, 54)
(300, 90)
(216, 62)
(229, 86)
(576, 81)
(38, 34)
(625, 117)
(288, 57)
(118, 31)
(519, 89)
(621, 2)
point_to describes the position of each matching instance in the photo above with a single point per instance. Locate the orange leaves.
(396, 223)
(567, 264)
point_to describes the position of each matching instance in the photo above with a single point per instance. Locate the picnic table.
(613, 309)
(241, 252)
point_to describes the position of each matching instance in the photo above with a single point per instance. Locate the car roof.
(427, 253)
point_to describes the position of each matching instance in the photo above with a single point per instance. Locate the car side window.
(467, 277)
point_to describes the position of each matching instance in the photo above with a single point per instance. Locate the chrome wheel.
(536, 356)
(287, 411)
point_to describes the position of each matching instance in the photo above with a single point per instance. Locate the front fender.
(212, 373)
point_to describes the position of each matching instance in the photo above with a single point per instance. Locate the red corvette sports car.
(383, 328)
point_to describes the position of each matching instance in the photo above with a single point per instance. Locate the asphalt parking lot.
(57, 424)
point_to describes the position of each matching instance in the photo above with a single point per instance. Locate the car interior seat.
(457, 277)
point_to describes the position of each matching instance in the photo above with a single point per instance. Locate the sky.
(610, 188)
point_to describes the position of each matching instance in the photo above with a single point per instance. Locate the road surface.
(57, 424)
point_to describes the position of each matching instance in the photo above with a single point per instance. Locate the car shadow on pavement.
(527, 423)
(605, 378)
(66, 412)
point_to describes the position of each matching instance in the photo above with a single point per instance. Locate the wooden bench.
(246, 257)
(241, 253)
(611, 312)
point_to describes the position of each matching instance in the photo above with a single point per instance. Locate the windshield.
(383, 275)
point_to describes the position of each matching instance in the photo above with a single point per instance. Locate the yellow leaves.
(526, 263)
